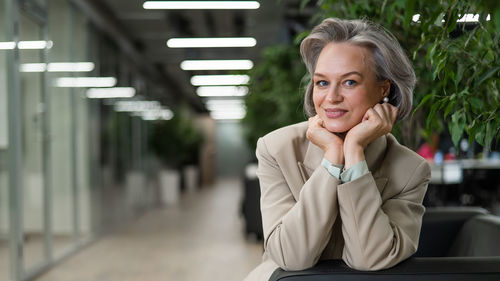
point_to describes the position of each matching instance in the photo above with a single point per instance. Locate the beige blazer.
(371, 223)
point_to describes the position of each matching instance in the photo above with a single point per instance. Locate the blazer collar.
(374, 154)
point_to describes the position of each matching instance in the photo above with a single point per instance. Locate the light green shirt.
(354, 172)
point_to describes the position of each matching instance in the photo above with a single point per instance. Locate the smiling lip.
(334, 112)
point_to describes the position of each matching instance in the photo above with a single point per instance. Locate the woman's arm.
(380, 234)
(295, 232)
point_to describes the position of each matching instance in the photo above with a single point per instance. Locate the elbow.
(294, 262)
(296, 265)
(366, 266)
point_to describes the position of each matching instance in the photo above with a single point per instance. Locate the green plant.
(176, 142)
(275, 94)
(457, 64)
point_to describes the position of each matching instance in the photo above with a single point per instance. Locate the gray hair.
(389, 60)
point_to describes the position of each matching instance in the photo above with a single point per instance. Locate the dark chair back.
(440, 227)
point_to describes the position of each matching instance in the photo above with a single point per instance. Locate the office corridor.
(200, 238)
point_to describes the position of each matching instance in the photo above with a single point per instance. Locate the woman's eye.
(322, 83)
(350, 83)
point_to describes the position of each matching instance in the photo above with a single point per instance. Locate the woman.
(340, 186)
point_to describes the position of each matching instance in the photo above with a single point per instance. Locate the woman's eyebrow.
(342, 75)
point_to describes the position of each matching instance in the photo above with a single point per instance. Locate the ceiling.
(143, 34)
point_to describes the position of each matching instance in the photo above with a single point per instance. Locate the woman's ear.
(385, 87)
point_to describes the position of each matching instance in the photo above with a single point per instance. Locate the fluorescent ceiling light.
(136, 106)
(219, 80)
(162, 114)
(106, 93)
(225, 107)
(224, 104)
(224, 101)
(85, 82)
(147, 110)
(216, 65)
(34, 45)
(222, 91)
(231, 115)
(7, 45)
(57, 67)
(211, 42)
(70, 66)
(198, 5)
(26, 45)
(33, 67)
(465, 18)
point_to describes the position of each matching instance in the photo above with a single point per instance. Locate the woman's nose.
(334, 95)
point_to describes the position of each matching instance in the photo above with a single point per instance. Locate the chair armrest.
(413, 269)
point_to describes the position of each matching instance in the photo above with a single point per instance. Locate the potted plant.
(176, 143)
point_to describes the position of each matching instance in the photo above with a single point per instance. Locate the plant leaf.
(487, 75)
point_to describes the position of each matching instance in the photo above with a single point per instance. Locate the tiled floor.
(200, 238)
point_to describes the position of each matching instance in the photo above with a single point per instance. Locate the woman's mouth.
(334, 112)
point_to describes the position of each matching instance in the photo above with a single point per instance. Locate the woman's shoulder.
(290, 131)
(402, 156)
(288, 137)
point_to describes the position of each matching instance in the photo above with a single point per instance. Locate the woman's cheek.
(318, 97)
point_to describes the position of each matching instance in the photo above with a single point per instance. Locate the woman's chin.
(335, 128)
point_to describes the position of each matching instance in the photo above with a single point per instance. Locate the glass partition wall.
(70, 167)
(4, 145)
(32, 90)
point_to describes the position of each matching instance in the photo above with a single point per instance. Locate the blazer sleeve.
(379, 234)
(295, 232)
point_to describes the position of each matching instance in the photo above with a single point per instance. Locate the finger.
(386, 107)
(394, 113)
(386, 112)
(372, 114)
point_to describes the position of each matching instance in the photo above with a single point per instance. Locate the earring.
(386, 99)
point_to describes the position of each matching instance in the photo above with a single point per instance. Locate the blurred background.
(128, 128)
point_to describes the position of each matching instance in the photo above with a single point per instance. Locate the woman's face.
(345, 86)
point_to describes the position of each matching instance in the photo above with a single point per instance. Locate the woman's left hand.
(376, 122)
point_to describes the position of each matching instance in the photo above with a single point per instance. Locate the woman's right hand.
(330, 143)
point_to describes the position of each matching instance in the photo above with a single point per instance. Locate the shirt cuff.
(354, 172)
(334, 170)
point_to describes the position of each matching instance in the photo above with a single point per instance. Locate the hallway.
(200, 238)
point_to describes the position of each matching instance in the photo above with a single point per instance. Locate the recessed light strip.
(211, 42)
(27, 45)
(219, 80)
(216, 64)
(85, 82)
(107, 93)
(222, 91)
(234, 115)
(57, 67)
(201, 5)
